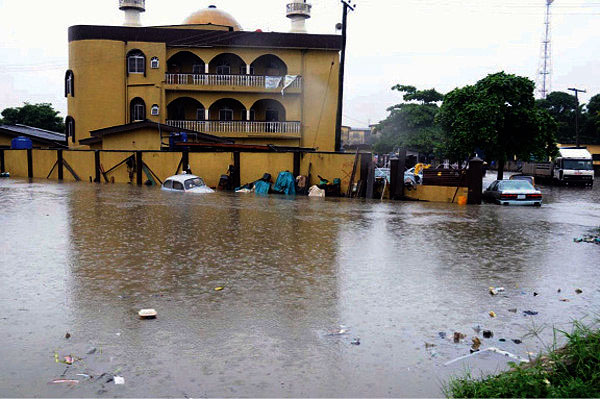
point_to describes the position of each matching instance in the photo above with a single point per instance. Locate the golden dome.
(212, 16)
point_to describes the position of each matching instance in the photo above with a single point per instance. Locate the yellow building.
(353, 137)
(207, 75)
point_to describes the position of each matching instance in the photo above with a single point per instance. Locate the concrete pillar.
(237, 166)
(371, 181)
(206, 114)
(59, 164)
(247, 69)
(30, 164)
(97, 166)
(475, 181)
(248, 115)
(139, 168)
(206, 68)
(2, 164)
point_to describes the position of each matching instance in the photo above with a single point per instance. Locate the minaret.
(133, 9)
(298, 11)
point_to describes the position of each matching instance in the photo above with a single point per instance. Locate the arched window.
(70, 128)
(154, 63)
(136, 62)
(155, 110)
(138, 110)
(200, 114)
(69, 84)
(225, 114)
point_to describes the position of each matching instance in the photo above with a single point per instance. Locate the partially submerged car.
(186, 183)
(530, 179)
(513, 192)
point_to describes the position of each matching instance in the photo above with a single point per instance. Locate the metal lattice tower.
(545, 69)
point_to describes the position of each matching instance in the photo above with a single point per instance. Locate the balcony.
(239, 81)
(298, 8)
(242, 128)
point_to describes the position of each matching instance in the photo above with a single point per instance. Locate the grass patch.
(572, 371)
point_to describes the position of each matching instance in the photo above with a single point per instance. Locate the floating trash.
(219, 288)
(476, 343)
(442, 335)
(63, 381)
(487, 334)
(148, 314)
(119, 380)
(529, 312)
(513, 310)
(492, 314)
(355, 341)
(517, 341)
(578, 291)
(68, 335)
(458, 336)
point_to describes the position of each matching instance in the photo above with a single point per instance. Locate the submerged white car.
(185, 183)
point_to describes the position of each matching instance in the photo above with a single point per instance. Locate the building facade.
(208, 76)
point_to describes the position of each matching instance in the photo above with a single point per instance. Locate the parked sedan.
(186, 183)
(513, 192)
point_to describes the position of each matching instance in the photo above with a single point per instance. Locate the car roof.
(182, 178)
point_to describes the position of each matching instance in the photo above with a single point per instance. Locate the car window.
(493, 186)
(168, 184)
(515, 185)
(195, 182)
(177, 185)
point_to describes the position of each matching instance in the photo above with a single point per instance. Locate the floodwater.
(83, 259)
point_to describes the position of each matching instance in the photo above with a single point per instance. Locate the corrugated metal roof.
(34, 132)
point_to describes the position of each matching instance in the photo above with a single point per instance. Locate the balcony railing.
(237, 126)
(298, 8)
(267, 82)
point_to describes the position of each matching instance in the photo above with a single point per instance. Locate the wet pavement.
(83, 259)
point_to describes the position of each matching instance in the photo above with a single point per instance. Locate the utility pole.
(340, 110)
(577, 91)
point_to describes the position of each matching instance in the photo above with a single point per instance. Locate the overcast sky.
(425, 43)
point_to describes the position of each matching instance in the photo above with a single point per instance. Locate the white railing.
(132, 3)
(237, 126)
(268, 82)
(295, 8)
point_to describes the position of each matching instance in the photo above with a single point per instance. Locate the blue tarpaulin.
(261, 187)
(285, 184)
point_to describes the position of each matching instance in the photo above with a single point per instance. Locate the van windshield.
(573, 164)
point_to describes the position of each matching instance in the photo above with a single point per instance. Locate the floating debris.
(219, 288)
(119, 380)
(513, 310)
(476, 343)
(564, 300)
(69, 360)
(559, 290)
(535, 294)
(492, 349)
(458, 336)
(63, 381)
(148, 314)
(589, 239)
(355, 341)
(492, 314)
(91, 350)
(496, 291)
(502, 340)
(341, 331)
(67, 335)
(487, 334)
(428, 345)
(529, 313)
(442, 334)
(517, 341)
(578, 291)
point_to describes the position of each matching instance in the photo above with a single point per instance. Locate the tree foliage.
(411, 124)
(499, 116)
(42, 116)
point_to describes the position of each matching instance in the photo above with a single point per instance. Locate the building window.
(154, 63)
(155, 110)
(69, 84)
(136, 62)
(272, 115)
(224, 69)
(200, 114)
(138, 110)
(226, 114)
(244, 71)
(70, 128)
(198, 69)
(252, 115)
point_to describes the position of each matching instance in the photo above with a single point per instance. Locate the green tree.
(562, 107)
(591, 124)
(42, 116)
(499, 116)
(411, 124)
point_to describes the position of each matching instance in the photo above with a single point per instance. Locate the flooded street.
(83, 259)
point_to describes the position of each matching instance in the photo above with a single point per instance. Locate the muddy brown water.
(83, 259)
